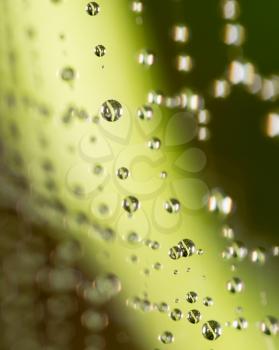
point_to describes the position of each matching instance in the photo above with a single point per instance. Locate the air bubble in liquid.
(123, 173)
(111, 110)
(194, 316)
(166, 337)
(192, 297)
(211, 330)
(92, 8)
(172, 205)
(100, 50)
(187, 247)
(235, 285)
(131, 204)
(176, 314)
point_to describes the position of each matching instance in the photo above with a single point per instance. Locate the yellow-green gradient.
(47, 157)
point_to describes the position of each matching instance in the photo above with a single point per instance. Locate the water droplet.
(108, 285)
(176, 314)
(228, 232)
(240, 323)
(184, 63)
(237, 250)
(194, 316)
(207, 301)
(166, 337)
(275, 251)
(146, 58)
(235, 285)
(180, 33)
(187, 247)
(111, 110)
(123, 173)
(68, 74)
(175, 253)
(172, 206)
(258, 255)
(145, 112)
(157, 266)
(270, 325)
(211, 330)
(100, 50)
(131, 204)
(137, 6)
(200, 251)
(92, 8)
(163, 175)
(163, 307)
(192, 297)
(154, 143)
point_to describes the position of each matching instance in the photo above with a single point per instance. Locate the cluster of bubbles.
(184, 248)
(45, 297)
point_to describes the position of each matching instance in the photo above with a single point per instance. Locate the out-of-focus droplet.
(221, 88)
(146, 58)
(100, 50)
(240, 323)
(235, 285)
(231, 9)
(176, 314)
(111, 110)
(208, 301)
(180, 33)
(211, 330)
(184, 63)
(68, 74)
(92, 8)
(234, 34)
(172, 206)
(166, 337)
(270, 325)
(163, 307)
(154, 143)
(131, 204)
(258, 255)
(192, 297)
(145, 112)
(137, 6)
(187, 247)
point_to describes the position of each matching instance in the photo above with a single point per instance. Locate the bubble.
(234, 34)
(131, 204)
(163, 307)
(258, 256)
(123, 173)
(100, 50)
(200, 251)
(133, 238)
(192, 297)
(187, 247)
(194, 316)
(180, 33)
(211, 330)
(145, 112)
(166, 337)
(154, 143)
(92, 8)
(157, 266)
(184, 63)
(237, 250)
(270, 325)
(207, 301)
(240, 323)
(68, 74)
(175, 253)
(94, 320)
(146, 305)
(176, 314)
(228, 232)
(146, 58)
(275, 251)
(230, 9)
(235, 285)
(108, 285)
(163, 174)
(111, 110)
(172, 205)
(137, 6)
